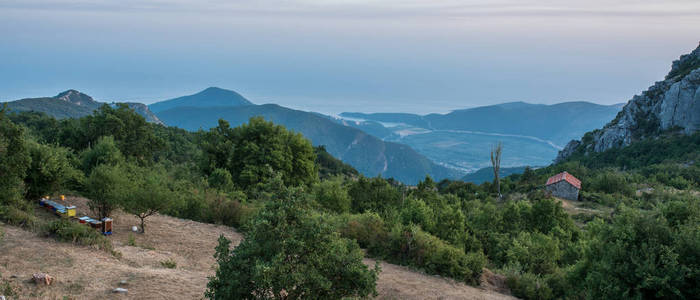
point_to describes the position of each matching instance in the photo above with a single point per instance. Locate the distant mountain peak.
(76, 97)
(209, 97)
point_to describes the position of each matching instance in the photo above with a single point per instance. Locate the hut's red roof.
(565, 176)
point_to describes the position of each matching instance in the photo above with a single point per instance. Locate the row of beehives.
(104, 225)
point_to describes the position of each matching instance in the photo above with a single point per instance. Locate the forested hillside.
(368, 154)
(306, 216)
(73, 104)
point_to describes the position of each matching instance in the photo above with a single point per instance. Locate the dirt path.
(87, 273)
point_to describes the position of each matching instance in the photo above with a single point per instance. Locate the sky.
(330, 56)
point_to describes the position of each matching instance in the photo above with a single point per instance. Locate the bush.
(290, 254)
(367, 229)
(528, 285)
(131, 241)
(412, 246)
(68, 231)
(169, 263)
(17, 217)
(332, 196)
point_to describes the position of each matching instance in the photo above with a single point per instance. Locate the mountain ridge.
(669, 105)
(209, 97)
(74, 104)
(529, 119)
(368, 154)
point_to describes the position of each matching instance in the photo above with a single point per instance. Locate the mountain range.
(367, 153)
(406, 147)
(531, 134)
(73, 104)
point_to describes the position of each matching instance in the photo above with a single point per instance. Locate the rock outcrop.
(142, 109)
(669, 105)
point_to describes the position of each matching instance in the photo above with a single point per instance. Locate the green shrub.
(332, 195)
(412, 246)
(132, 240)
(169, 263)
(6, 289)
(367, 229)
(528, 286)
(68, 231)
(17, 217)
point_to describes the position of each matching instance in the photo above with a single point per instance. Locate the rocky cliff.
(669, 105)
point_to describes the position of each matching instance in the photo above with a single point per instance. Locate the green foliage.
(256, 151)
(221, 179)
(131, 240)
(412, 246)
(133, 135)
(17, 217)
(332, 195)
(373, 194)
(289, 254)
(105, 151)
(148, 193)
(168, 263)
(14, 161)
(69, 231)
(535, 252)
(107, 187)
(329, 166)
(51, 171)
(639, 255)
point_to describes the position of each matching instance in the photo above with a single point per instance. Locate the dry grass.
(86, 273)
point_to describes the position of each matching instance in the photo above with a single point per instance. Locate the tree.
(291, 254)
(496, 164)
(374, 194)
(51, 170)
(14, 161)
(254, 152)
(636, 257)
(332, 195)
(104, 151)
(149, 194)
(107, 187)
(132, 134)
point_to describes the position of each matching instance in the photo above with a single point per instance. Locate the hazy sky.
(345, 55)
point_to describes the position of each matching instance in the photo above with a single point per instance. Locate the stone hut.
(564, 185)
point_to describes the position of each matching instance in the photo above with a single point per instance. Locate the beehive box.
(70, 211)
(107, 226)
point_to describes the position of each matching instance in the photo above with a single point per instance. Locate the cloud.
(378, 8)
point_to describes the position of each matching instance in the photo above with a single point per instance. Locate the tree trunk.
(143, 224)
(496, 164)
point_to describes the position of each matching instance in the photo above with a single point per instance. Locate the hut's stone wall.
(563, 189)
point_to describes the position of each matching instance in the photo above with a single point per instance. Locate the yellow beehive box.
(70, 211)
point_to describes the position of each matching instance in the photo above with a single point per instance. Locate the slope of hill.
(486, 174)
(669, 105)
(85, 273)
(73, 104)
(210, 97)
(368, 154)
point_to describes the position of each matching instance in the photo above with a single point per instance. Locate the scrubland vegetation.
(306, 215)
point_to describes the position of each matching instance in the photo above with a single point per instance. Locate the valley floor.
(87, 273)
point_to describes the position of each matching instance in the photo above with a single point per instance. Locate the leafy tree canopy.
(291, 254)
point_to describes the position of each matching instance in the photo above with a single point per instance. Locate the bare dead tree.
(496, 163)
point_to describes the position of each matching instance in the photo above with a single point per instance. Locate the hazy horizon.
(344, 55)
